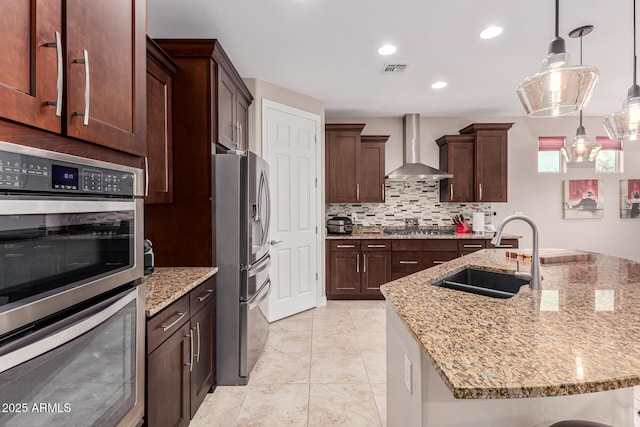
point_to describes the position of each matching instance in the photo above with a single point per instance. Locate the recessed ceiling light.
(387, 49)
(491, 32)
(438, 85)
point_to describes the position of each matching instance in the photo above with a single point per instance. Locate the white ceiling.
(327, 49)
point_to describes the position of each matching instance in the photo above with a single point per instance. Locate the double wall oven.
(71, 306)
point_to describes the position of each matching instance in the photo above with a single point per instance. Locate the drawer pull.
(165, 328)
(439, 262)
(345, 246)
(376, 246)
(205, 295)
(472, 246)
(408, 262)
(504, 246)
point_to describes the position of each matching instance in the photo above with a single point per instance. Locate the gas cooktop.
(418, 232)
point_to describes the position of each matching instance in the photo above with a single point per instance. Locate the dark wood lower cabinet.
(357, 268)
(168, 381)
(181, 358)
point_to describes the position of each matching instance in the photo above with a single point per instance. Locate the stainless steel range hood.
(412, 169)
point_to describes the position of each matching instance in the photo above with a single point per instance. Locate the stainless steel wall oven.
(71, 307)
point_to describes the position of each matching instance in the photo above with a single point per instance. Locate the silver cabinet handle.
(472, 246)
(383, 196)
(165, 328)
(408, 262)
(439, 262)
(240, 141)
(503, 246)
(60, 78)
(364, 263)
(480, 185)
(198, 352)
(190, 364)
(376, 246)
(450, 191)
(345, 246)
(146, 177)
(87, 87)
(358, 192)
(358, 263)
(205, 295)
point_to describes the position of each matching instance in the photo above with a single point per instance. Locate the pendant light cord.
(581, 34)
(558, 18)
(635, 58)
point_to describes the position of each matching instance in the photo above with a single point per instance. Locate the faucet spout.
(536, 280)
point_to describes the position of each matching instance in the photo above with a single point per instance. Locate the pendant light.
(559, 88)
(625, 124)
(581, 150)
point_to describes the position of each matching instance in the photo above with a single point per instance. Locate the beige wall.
(537, 195)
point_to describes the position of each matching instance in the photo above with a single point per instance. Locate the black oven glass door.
(50, 245)
(80, 371)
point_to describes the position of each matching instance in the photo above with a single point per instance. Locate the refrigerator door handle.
(268, 210)
(261, 265)
(260, 296)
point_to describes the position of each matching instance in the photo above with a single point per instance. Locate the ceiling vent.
(393, 68)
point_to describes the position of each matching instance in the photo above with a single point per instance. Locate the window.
(549, 156)
(610, 156)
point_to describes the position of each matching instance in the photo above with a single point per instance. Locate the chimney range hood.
(412, 169)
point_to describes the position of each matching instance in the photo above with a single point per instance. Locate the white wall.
(538, 195)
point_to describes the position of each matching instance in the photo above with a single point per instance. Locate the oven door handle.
(59, 206)
(89, 320)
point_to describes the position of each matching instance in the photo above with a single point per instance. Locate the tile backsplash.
(409, 199)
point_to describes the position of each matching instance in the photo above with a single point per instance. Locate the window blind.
(550, 143)
(609, 144)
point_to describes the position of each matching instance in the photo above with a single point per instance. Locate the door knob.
(275, 242)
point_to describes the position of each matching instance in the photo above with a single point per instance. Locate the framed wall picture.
(583, 199)
(630, 198)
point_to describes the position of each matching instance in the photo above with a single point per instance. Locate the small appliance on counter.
(149, 257)
(339, 225)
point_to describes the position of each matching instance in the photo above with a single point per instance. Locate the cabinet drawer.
(162, 325)
(470, 245)
(375, 245)
(411, 262)
(505, 243)
(344, 245)
(425, 245)
(202, 295)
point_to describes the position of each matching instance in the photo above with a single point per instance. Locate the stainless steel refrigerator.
(242, 211)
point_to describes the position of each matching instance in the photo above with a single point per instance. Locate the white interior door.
(290, 146)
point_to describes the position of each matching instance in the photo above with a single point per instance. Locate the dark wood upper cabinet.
(93, 67)
(354, 164)
(29, 68)
(478, 160)
(456, 157)
(160, 71)
(372, 155)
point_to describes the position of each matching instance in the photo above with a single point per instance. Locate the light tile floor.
(323, 367)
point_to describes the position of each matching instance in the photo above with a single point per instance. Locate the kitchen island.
(570, 351)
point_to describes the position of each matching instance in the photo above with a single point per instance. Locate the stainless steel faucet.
(534, 276)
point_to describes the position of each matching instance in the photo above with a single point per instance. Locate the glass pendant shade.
(581, 150)
(559, 88)
(624, 125)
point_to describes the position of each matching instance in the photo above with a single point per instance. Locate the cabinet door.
(343, 167)
(203, 328)
(344, 273)
(242, 122)
(168, 381)
(29, 57)
(226, 111)
(106, 100)
(372, 173)
(461, 165)
(159, 134)
(491, 166)
(376, 271)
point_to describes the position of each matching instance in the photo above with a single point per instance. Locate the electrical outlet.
(354, 216)
(407, 374)
(519, 213)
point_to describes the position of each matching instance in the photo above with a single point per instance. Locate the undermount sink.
(483, 282)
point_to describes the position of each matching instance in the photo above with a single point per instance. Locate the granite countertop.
(580, 334)
(167, 284)
(375, 232)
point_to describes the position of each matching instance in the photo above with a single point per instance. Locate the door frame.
(319, 214)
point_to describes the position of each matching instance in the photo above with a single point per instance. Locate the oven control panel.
(20, 172)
